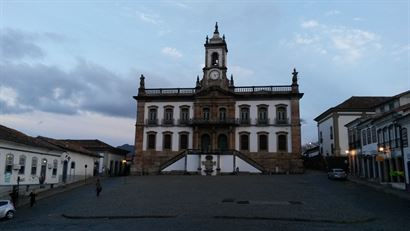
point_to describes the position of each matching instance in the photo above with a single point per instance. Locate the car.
(337, 174)
(7, 209)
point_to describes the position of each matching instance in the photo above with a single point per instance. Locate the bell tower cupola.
(215, 60)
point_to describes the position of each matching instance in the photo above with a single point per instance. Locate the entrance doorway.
(206, 143)
(43, 171)
(222, 142)
(65, 168)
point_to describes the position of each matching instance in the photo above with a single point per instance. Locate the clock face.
(214, 74)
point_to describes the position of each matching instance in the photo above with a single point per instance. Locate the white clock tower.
(215, 61)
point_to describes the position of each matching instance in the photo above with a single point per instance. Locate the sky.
(69, 69)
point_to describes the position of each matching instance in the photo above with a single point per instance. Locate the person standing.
(32, 198)
(98, 187)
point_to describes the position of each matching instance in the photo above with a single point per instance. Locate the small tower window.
(215, 59)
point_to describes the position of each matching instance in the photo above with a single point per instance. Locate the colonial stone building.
(217, 127)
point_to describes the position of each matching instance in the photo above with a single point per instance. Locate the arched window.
(151, 140)
(263, 141)
(73, 165)
(9, 163)
(244, 115)
(222, 114)
(22, 163)
(282, 143)
(184, 117)
(206, 113)
(244, 142)
(183, 141)
(169, 115)
(262, 115)
(281, 117)
(152, 116)
(404, 137)
(34, 163)
(167, 143)
(55, 165)
(215, 59)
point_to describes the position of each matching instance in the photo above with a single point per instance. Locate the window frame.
(278, 135)
(260, 134)
(34, 164)
(166, 134)
(241, 144)
(9, 163)
(149, 134)
(180, 140)
(22, 163)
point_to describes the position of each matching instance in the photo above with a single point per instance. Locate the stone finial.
(206, 40)
(216, 28)
(223, 37)
(142, 81)
(294, 76)
(197, 81)
(231, 81)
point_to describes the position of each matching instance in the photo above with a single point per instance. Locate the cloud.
(86, 87)
(149, 17)
(345, 45)
(172, 52)
(357, 19)
(332, 12)
(16, 44)
(309, 24)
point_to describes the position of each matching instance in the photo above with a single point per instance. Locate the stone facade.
(260, 122)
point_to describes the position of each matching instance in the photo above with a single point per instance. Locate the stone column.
(139, 159)
(295, 126)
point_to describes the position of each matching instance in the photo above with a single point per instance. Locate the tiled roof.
(97, 145)
(355, 104)
(69, 146)
(15, 136)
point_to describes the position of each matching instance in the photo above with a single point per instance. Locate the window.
(168, 115)
(183, 141)
(55, 165)
(151, 141)
(22, 163)
(244, 115)
(34, 166)
(262, 115)
(167, 144)
(369, 136)
(404, 137)
(281, 117)
(152, 116)
(263, 142)
(374, 136)
(391, 105)
(206, 113)
(222, 114)
(184, 114)
(244, 142)
(364, 140)
(282, 143)
(215, 59)
(72, 164)
(9, 163)
(331, 132)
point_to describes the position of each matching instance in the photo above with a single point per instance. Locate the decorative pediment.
(214, 91)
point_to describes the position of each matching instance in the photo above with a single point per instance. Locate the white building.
(218, 125)
(112, 161)
(332, 133)
(378, 144)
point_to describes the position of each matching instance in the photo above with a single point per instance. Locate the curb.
(395, 192)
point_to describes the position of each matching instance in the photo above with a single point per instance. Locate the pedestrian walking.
(32, 198)
(98, 187)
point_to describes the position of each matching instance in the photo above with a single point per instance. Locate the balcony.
(243, 121)
(284, 121)
(184, 121)
(260, 121)
(151, 122)
(167, 122)
(226, 121)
